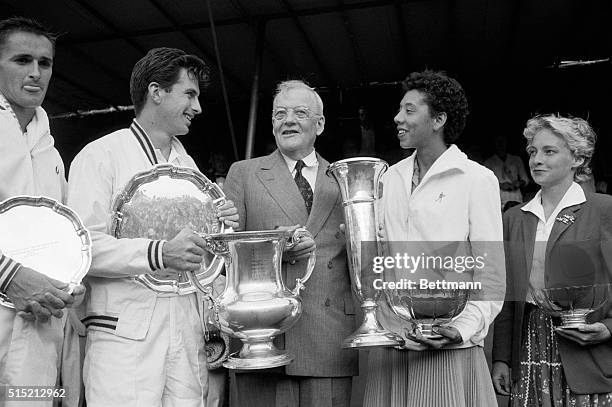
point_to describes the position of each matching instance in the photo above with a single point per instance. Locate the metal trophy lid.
(46, 236)
(157, 204)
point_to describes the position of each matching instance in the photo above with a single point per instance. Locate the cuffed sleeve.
(8, 270)
(473, 323)
(90, 194)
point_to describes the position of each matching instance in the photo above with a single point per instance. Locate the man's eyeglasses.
(300, 113)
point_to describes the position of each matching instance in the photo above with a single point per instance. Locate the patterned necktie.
(303, 185)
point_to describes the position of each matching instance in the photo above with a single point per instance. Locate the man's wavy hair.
(442, 94)
(577, 134)
(163, 65)
(22, 24)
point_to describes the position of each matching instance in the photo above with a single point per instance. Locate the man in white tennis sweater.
(32, 334)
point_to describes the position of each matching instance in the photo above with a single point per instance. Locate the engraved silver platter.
(44, 235)
(157, 204)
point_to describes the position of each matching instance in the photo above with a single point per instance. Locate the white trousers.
(30, 353)
(167, 368)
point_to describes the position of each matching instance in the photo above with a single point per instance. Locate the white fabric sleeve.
(90, 194)
(486, 239)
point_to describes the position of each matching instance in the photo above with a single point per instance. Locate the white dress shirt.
(310, 169)
(573, 196)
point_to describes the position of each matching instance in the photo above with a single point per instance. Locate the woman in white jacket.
(438, 194)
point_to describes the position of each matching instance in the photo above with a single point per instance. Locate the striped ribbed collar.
(144, 141)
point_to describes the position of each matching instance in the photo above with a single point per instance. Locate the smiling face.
(180, 104)
(295, 137)
(551, 162)
(26, 62)
(415, 125)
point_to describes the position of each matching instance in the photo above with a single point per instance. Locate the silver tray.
(157, 204)
(46, 236)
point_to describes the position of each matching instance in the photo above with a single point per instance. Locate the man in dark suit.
(285, 188)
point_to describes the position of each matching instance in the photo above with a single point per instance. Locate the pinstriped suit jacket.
(266, 196)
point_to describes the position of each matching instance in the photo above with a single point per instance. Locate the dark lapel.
(325, 196)
(276, 178)
(529, 226)
(559, 227)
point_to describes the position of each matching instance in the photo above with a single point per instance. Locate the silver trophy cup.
(576, 290)
(359, 180)
(426, 309)
(427, 296)
(255, 306)
(573, 305)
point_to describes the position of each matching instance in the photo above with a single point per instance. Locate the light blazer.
(587, 369)
(266, 196)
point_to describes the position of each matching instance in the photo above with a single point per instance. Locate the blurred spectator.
(509, 170)
(218, 165)
(368, 135)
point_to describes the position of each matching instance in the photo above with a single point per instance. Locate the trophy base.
(371, 333)
(574, 319)
(382, 338)
(236, 363)
(426, 330)
(258, 355)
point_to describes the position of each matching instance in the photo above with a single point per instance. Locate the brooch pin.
(567, 219)
(439, 198)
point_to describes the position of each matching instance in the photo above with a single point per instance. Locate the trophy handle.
(206, 278)
(312, 258)
(201, 284)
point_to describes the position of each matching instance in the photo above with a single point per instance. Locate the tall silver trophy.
(359, 180)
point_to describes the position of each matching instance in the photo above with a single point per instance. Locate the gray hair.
(577, 134)
(286, 86)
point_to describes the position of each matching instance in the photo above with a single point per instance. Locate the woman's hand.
(411, 345)
(450, 336)
(501, 378)
(587, 334)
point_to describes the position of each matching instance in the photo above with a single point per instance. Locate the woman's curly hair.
(442, 94)
(577, 134)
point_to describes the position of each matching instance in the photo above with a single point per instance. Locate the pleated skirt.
(435, 378)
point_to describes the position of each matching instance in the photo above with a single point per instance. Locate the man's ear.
(439, 121)
(154, 91)
(320, 125)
